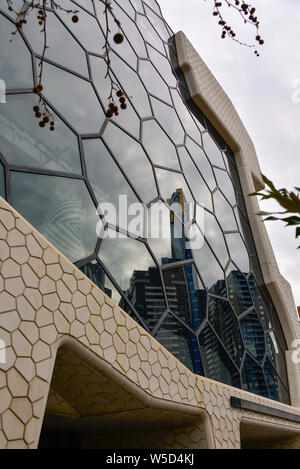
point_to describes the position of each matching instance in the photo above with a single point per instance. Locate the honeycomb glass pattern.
(208, 306)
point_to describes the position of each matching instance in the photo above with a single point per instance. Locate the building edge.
(211, 99)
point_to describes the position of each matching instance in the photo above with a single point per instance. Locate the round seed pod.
(118, 38)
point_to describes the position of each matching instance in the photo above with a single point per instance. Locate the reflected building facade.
(209, 306)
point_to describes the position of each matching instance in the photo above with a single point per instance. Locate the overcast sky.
(264, 90)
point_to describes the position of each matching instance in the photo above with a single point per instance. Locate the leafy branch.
(290, 201)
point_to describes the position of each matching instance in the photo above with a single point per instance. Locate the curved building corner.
(209, 96)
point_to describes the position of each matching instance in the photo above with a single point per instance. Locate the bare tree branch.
(42, 111)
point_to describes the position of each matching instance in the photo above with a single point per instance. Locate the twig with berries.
(45, 114)
(248, 14)
(114, 87)
(42, 111)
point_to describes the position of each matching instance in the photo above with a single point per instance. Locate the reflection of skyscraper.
(146, 294)
(188, 303)
(185, 297)
(217, 363)
(178, 240)
(223, 319)
(240, 298)
(238, 291)
(253, 379)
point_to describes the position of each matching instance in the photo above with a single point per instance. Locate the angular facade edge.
(212, 100)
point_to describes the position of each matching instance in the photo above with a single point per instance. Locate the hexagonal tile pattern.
(44, 305)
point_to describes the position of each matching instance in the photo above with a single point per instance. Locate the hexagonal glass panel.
(123, 256)
(126, 6)
(254, 336)
(202, 163)
(156, 21)
(277, 390)
(238, 291)
(233, 172)
(169, 182)
(74, 98)
(154, 6)
(186, 118)
(149, 33)
(132, 85)
(153, 81)
(200, 190)
(225, 185)
(127, 119)
(253, 379)
(166, 233)
(259, 303)
(212, 150)
(159, 232)
(24, 143)
(87, 4)
(214, 236)
(272, 381)
(17, 6)
(65, 213)
(179, 341)
(225, 324)
(108, 182)
(132, 44)
(134, 270)
(169, 121)
(138, 5)
(86, 30)
(125, 306)
(147, 296)
(160, 148)
(96, 273)
(224, 212)
(62, 47)
(16, 63)
(210, 270)
(163, 65)
(133, 160)
(238, 251)
(132, 33)
(186, 296)
(217, 363)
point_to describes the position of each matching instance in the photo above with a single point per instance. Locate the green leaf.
(263, 214)
(255, 193)
(272, 218)
(292, 220)
(268, 182)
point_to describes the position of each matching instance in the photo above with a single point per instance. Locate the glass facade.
(208, 305)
